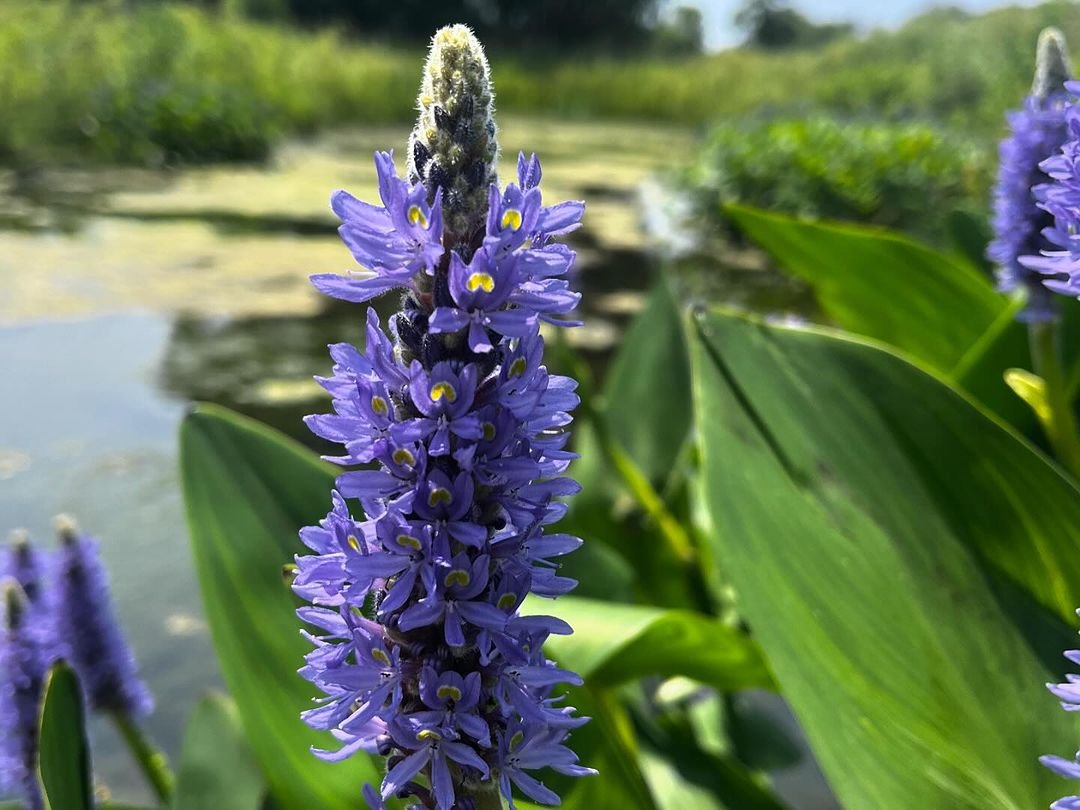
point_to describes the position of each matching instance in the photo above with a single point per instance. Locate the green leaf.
(938, 308)
(248, 490)
(64, 755)
(613, 644)
(906, 562)
(645, 395)
(217, 767)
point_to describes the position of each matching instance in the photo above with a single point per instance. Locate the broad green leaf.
(938, 308)
(645, 394)
(907, 564)
(248, 490)
(64, 755)
(615, 643)
(217, 768)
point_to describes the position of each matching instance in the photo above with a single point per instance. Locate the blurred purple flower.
(24, 660)
(1037, 131)
(89, 630)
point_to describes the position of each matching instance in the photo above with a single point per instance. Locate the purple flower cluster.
(1059, 264)
(94, 642)
(421, 652)
(56, 606)
(1069, 695)
(25, 656)
(1036, 131)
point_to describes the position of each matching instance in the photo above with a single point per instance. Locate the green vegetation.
(164, 82)
(903, 176)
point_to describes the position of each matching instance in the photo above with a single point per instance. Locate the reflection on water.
(126, 295)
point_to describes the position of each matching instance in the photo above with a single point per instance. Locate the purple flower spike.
(418, 573)
(1037, 131)
(85, 620)
(24, 661)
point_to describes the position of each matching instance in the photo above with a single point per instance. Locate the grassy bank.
(169, 82)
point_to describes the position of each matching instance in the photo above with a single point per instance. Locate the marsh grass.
(162, 83)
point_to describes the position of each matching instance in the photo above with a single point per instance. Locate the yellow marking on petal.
(517, 368)
(448, 692)
(459, 576)
(428, 734)
(408, 541)
(489, 430)
(507, 601)
(354, 544)
(439, 495)
(403, 456)
(480, 281)
(443, 389)
(517, 739)
(378, 404)
(380, 656)
(511, 219)
(417, 217)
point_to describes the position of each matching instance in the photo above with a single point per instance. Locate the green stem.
(1061, 429)
(487, 797)
(151, 759)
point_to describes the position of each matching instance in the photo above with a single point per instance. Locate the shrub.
(903, 176)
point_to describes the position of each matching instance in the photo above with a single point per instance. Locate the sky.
(720, 31)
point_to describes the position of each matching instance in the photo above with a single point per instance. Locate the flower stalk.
(151, 760)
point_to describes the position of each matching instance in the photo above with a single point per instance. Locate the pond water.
(126, 294)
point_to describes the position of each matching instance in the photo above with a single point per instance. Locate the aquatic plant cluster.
(421, 650)
(57, 606)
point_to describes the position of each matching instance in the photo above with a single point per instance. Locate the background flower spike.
(23, 661)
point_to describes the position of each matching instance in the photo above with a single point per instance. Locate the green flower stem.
(151, 759)
(487, 797)
(1062, 423)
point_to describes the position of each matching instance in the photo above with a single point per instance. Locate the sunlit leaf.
(935, 307)
(907, 564)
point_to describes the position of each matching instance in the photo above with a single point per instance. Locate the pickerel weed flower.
(420, 650)
(89, 629)
(1036, 132)
(24, 660)
(1069, 695)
